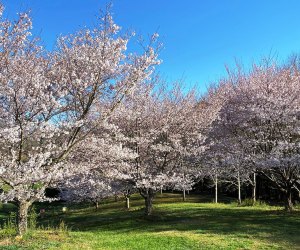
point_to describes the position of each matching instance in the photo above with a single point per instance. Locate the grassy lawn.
(195, 224)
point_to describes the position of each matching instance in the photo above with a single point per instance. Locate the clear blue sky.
(199, 36)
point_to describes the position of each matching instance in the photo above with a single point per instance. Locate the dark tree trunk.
(148, 205)
(289, 203)
(284, 179)
(23, 207)
(148, 194)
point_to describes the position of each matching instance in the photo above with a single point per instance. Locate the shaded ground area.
(195, 224)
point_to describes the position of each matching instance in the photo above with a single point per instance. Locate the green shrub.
(9, 227)
(261, 203)
(250, 203)
(32, 218)
(62, 227)
(247, 203)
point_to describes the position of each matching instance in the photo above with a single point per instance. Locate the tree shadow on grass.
(271, 225)
(195, 217)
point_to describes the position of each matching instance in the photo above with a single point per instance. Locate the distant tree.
(155, 120)
(260, 118)
(86, 188)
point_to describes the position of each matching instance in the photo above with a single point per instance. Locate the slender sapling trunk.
(216, 188)
(239, 189)
(254, 188)
(127, 202)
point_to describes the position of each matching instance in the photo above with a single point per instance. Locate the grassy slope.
(174, 225)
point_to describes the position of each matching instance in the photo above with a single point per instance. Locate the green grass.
(195, 224)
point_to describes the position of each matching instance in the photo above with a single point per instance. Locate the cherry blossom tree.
(208, 148)
(124, 187)
(102, 152)
(260, 118)
(50, 103)
(224, 160)
(90, 187)
(183, 182)
(155, 120)
(274, 133)
(212, 167)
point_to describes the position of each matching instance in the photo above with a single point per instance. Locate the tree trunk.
(188, 191)
(127, 202)
(183, 195)
(216, 189)
(23, 207)
(289, 203)
(148, 194)
(254, 188)
(148, 205)
(96, 205)
(239, 189)
(161, 191)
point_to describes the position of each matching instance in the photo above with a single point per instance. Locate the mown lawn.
(195, 224)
